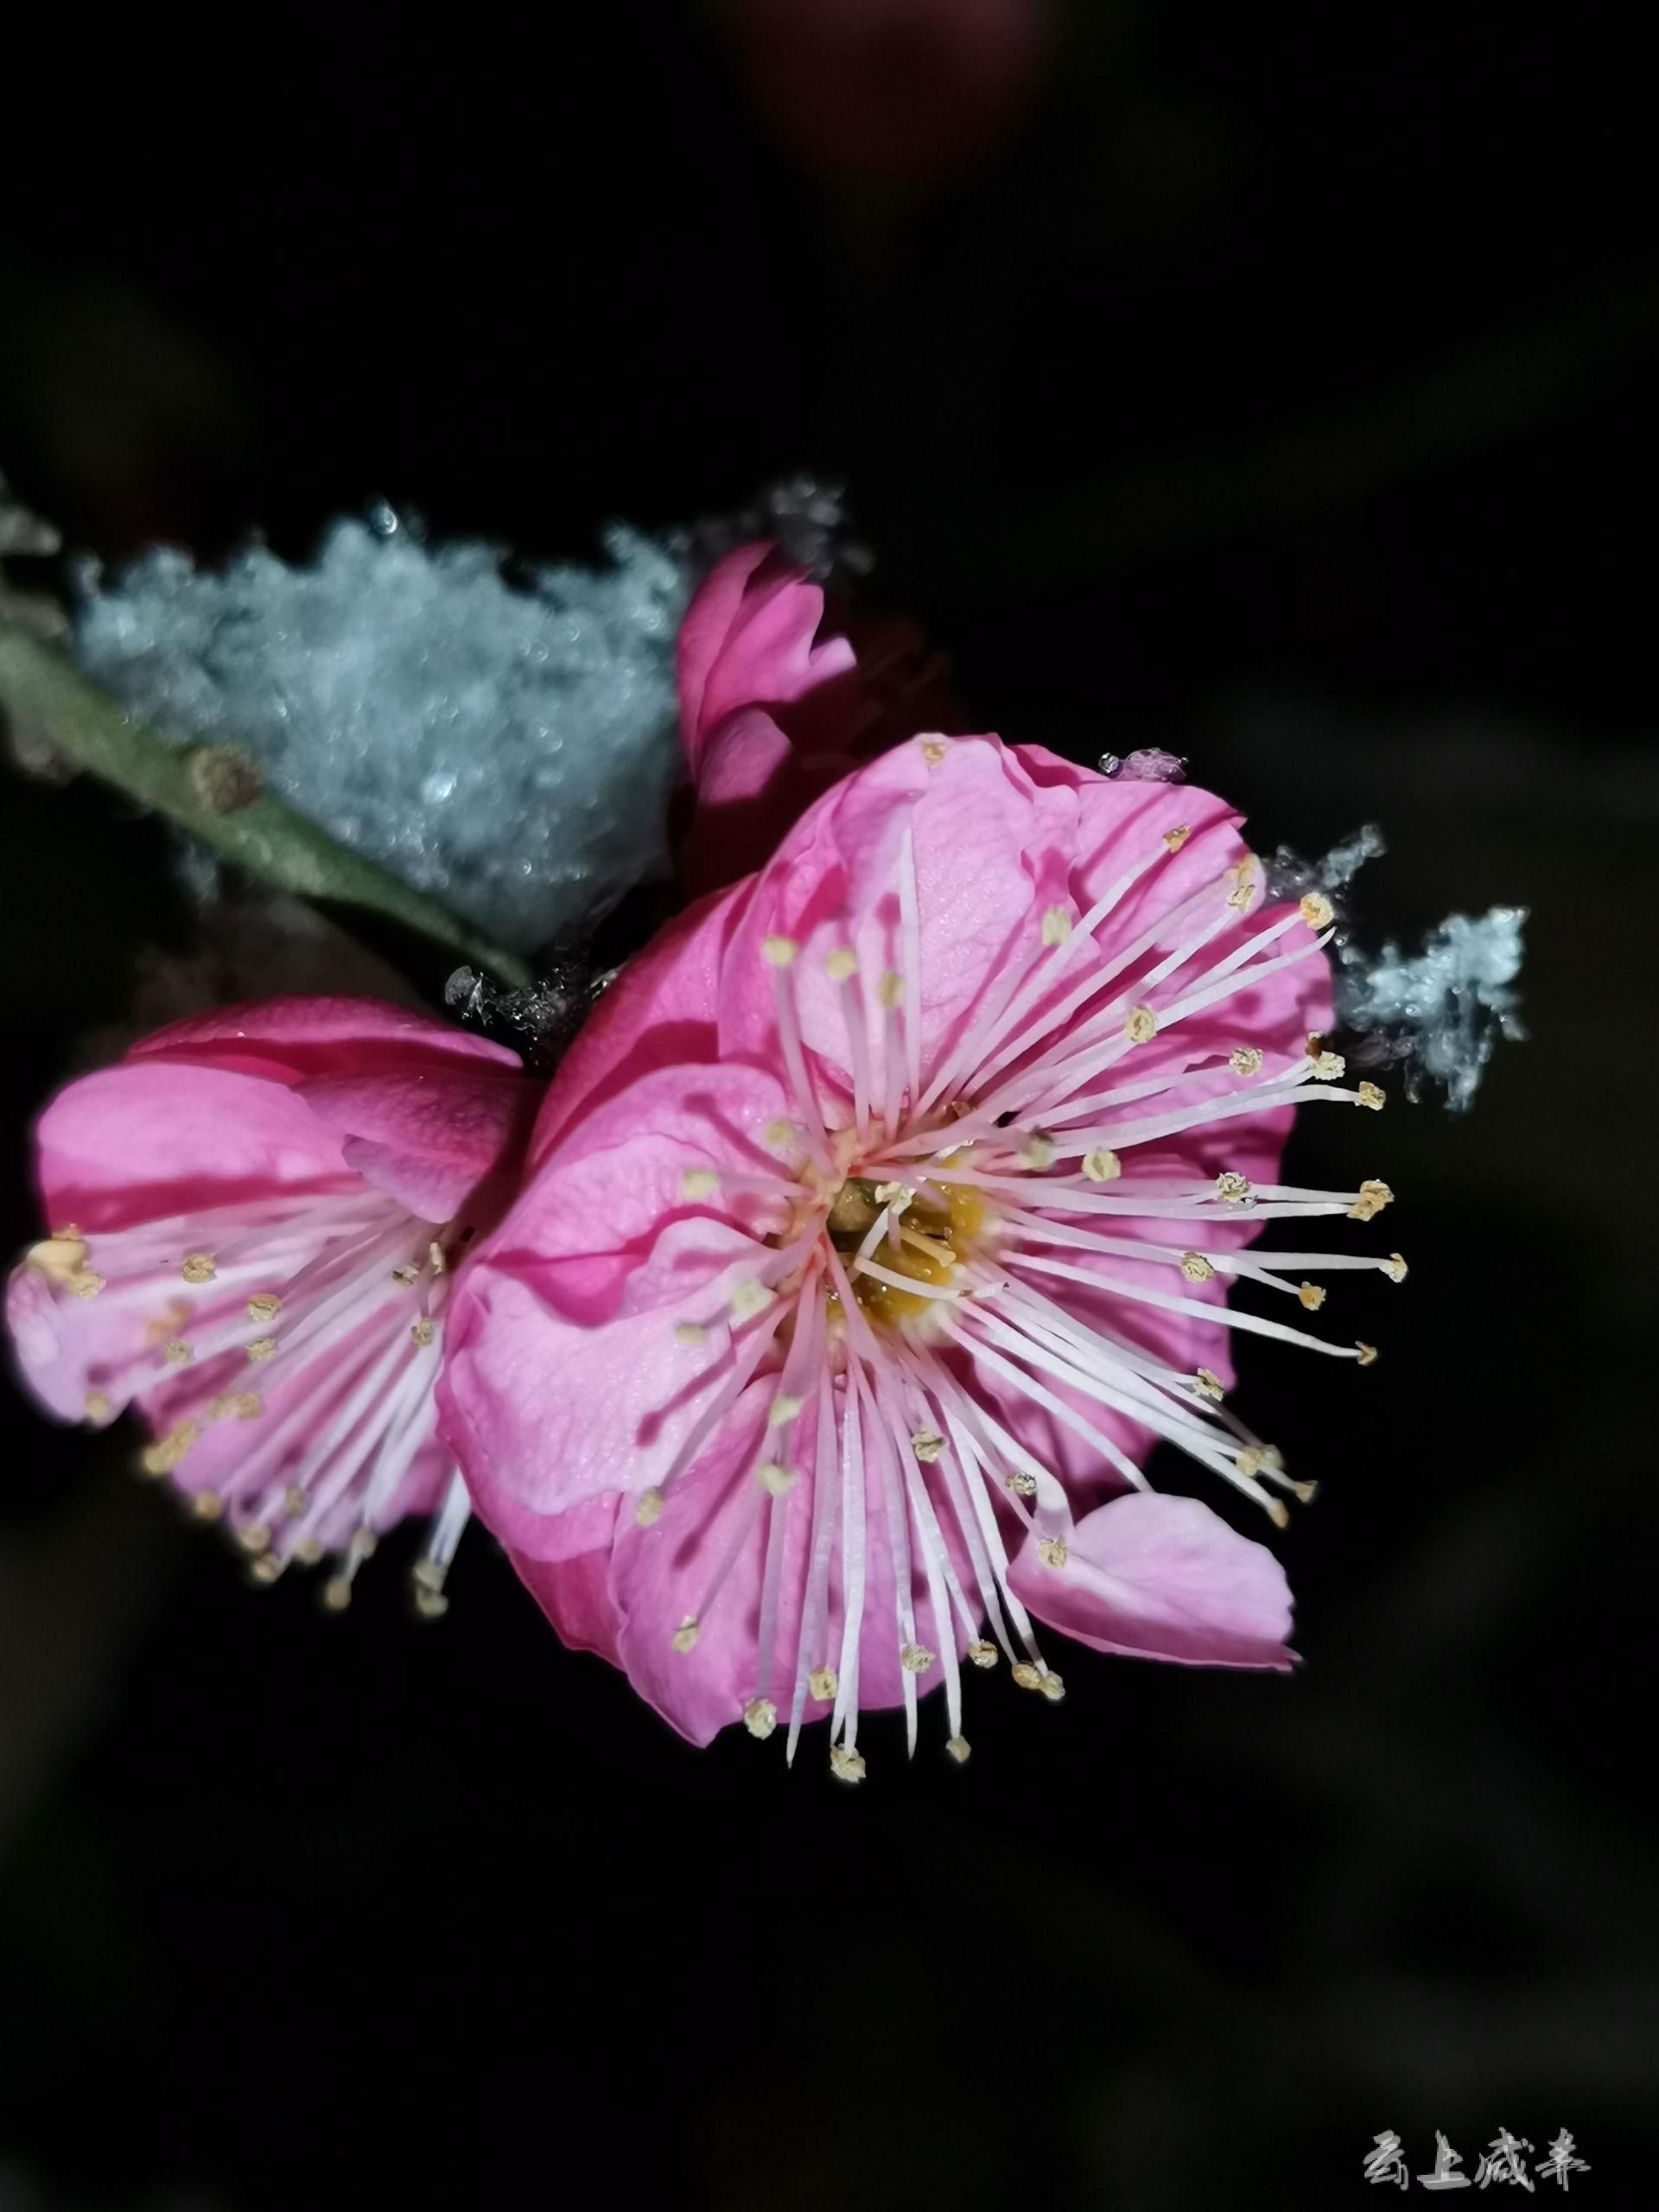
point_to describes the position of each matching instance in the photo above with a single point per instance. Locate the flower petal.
(1162, 1577)
(287, 1040)
(148, 1138)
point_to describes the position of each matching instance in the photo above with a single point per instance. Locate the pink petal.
(660, 1575)
(660, 1011)
(754, 784)
(566, 1377)
(429, 1137)
(290, 1038)
(1162, 1577)
(747, 640)
(147, 1138)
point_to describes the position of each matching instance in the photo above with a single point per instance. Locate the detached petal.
(1162, 1577)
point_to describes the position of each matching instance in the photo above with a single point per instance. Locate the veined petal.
(1163, 1578)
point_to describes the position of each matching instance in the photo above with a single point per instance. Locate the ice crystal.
(507, 747)
(1439, 1012)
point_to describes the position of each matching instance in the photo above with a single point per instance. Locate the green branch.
(211, 792)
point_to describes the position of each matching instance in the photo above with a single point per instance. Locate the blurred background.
(1276, 391)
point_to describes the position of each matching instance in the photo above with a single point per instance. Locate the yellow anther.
(896, 1195)
(761, 1717)
(264, 1306)
(846, 1765)
(1367, 1354)
(1101, 1166)
(1196, 1268)
(1247, 1060)
(1052, 1551)
(1177, 837)
(778, 951)
(295, 1501)
(1250, 1461)
(823, 1683)
(199, 1267)
(1232, 1188)
(1053, 1688)
(983, 1652)
(933, 750)
(165, 1453)
(1057, 925)
(784, 1407)
(431, 1605)
(777, 1481)
(176, 1352)
(1395, 1267)
(337, 1593)
(1021, 1484)
(684, 1636)
(891, 991)
(407, 1274)
(749, 1298)
(957, 1748)
(1316, 911)
(842, 965)
(207, 1505)
(688, 1333)
(85, 1282)
(246, 1405)
(362, 1544)
(422, 1332)
(1037, 1150)
(428, 1574)
(1372, 1095)
(1278, 1513)
(915, 1658)
(779, 1134)
(1373, 1197)
(59, 1257)
(1027, 1676)
(1306, 1492)
(268, 1568)
(308, 1551)
(699, 1183)
(254, 1538)
(1310, 1295)
(1209, 1384)
(1327, 1066)
(647, 1508)
(927, 1445)
(1141, 1026)
(96, 1405)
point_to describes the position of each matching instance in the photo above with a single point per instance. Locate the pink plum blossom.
(877, 1226)
(255, 1218)
(779, 700)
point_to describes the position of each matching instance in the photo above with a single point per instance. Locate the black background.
(1277, 391)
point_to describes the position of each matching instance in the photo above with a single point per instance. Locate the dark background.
(1278, 392)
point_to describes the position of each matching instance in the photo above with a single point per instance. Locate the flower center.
(890, 1236)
